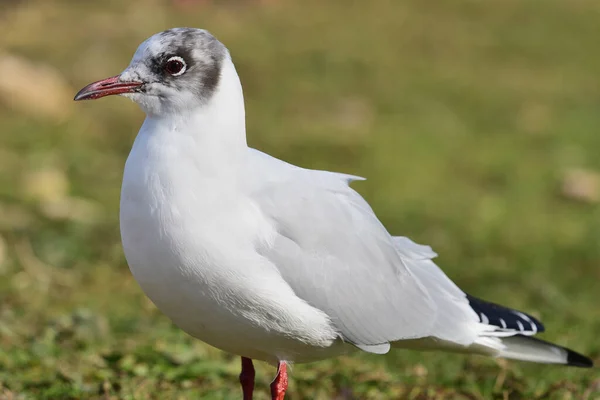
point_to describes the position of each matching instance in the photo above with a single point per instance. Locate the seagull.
(271, 261)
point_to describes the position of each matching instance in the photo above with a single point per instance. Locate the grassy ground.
(476, 124)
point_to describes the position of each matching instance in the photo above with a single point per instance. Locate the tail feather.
(527, 348)
(518, 347)
(471, 325)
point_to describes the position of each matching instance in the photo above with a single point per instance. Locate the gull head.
(171, 72)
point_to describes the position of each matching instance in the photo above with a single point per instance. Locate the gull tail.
(504, 333)
(513, 337)
(467, 324)
(527, 348)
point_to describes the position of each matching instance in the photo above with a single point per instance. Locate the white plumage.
(268, 260)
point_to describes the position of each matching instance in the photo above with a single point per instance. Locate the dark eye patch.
(202, 54)
(158, 64)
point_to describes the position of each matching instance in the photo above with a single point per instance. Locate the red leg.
(247, 378)
(280, 383)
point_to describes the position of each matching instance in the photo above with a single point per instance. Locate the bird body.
(214, 292)
(190, 229)
(268, 260)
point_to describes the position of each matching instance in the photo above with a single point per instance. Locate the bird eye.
(175, 66)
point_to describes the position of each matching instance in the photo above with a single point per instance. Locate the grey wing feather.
(336, 255)
(456, 321)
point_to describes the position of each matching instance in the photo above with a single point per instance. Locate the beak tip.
(85, 93)
(106, 87)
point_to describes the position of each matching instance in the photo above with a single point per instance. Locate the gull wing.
(336, 255)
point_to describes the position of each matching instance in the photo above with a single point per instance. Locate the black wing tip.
(575, 359)
(504, 317)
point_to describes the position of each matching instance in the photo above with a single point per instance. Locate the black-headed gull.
(271, 261)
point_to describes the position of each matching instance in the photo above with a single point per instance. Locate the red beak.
(106, 87)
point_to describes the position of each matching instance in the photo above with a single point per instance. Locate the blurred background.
(475, 122)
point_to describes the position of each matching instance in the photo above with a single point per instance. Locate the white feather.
(274, 262)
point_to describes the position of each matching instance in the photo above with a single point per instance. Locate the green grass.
(464, 116)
